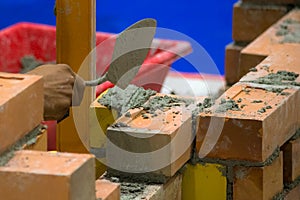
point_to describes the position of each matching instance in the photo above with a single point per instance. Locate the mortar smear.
(123, 100)
(165, 102)
(29, 139)
(289, 29)
(279, 78)
(226, 105)
(129, 189)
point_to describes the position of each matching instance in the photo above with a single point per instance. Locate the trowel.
(130, 50)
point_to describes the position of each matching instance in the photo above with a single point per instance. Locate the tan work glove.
(59, 88)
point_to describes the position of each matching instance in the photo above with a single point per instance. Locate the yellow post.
(75, 40)
(202, 182)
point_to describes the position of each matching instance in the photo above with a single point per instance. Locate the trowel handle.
(97, 81)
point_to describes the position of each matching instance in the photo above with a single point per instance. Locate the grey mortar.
(123, 100)
(282, 78)
(226, 105)
(28, 139)
(289, 30)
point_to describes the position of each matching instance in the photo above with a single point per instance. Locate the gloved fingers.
(55, 111)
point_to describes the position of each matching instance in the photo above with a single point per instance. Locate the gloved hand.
(60, 85)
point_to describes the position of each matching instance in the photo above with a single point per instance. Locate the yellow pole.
(75, 39)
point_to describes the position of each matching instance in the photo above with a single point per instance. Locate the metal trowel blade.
(131, 48)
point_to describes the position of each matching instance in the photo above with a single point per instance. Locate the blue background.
(207, 22)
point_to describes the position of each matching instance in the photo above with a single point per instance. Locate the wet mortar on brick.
(123, 100)
(28, 139)
(283, 78)
(289, 30)
(132, 189)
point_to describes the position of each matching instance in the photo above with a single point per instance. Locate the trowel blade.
(131, 48)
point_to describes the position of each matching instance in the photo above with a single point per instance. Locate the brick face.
(168, 131)
(259, 183)
(248, 133)
(249, 21)
(284, 59)
(106, 190)
(294, 194)
(21, 106)
(232, 59)
(266, 44)
(40, 175)
(291, 155)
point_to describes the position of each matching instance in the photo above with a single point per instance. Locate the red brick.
(21, 106)
(286, 58)
(265, 45)
(250, 20)
(294, 194)
(106, 190)
(259, 183)
(170, 132)
(291, 158)
(169, 190)
(232, 61)
(248, 134)
(38, 175)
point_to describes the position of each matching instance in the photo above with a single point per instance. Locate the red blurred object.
(24, 39)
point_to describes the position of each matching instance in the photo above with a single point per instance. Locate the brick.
(106, 190)
(40, 175)
(232, 60)
(293, 194)
(159, 142)
(204, 181)
(285, 59)
(169, 190)
(100, 119)
(150, 191)
(40, 143)
(281, 2)
(291, 155)
(253, 132)
(266, 44)
(260, 183)
(21, 106)
(250, 20)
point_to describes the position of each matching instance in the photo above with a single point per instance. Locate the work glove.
(62, 89)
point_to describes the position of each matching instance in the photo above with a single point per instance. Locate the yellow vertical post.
(201, 182)
(75, 39)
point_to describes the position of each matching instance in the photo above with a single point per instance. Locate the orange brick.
(250, 20)
(291, 158)
(145, 191)
(266, 44)
(264, 121)
(232, 59)
(294, 194)
(169, 190)
(38, 175)
(161, 140)
(259, 183)
(106, 190)
(39, 143)
(21, 106)
(282, 2)
(286, 59)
